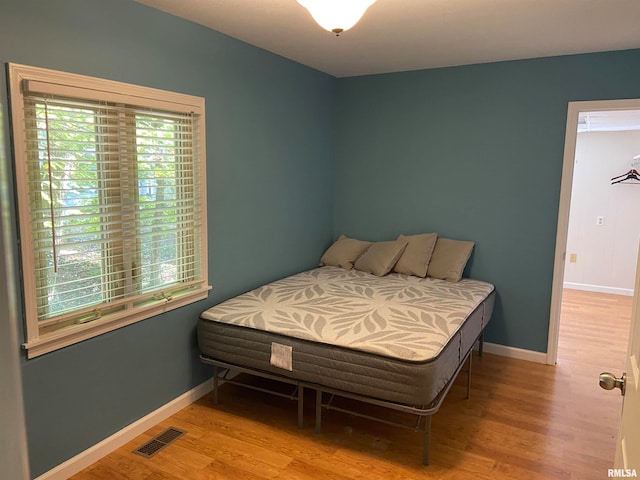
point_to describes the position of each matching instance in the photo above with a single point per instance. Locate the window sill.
(78, 333)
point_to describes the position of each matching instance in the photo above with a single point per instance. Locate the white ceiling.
(609, 121)
(400, 35)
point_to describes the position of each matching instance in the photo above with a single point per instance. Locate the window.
(112, 204)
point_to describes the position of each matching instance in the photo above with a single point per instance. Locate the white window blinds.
(114, 215)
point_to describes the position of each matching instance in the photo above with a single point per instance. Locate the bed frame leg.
(481, 343)
(300, 406)
(427, 440)
(318, 411)
(215, 384)
(469, 376)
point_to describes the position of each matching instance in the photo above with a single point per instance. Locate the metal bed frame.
(222, 370)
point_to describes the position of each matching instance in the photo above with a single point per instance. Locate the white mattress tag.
(281, 356)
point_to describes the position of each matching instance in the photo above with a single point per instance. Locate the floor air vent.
(153, 446)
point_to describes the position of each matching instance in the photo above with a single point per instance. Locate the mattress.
(397, 338)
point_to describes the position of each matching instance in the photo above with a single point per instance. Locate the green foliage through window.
(112, 187)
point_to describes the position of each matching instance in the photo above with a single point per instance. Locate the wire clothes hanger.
(632, 176)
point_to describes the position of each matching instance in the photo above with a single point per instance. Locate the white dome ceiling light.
(336, 16)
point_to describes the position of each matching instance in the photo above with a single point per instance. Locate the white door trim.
(571, 134)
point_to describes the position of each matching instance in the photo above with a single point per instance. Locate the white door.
(628, 448)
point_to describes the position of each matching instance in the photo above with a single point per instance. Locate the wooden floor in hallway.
(523, 421)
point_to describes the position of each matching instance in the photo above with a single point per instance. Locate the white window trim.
(54, 81)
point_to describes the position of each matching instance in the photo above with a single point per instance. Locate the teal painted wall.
(474, 153)
(270, 192)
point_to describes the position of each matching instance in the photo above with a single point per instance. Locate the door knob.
(609, 381)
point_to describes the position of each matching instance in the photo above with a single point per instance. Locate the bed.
(395, 340)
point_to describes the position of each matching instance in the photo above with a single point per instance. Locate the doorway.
(590, 269)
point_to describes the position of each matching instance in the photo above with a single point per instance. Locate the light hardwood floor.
(523, 421)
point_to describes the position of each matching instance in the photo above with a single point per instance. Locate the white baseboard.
(128, 433)
(513, 352)
(599, 288)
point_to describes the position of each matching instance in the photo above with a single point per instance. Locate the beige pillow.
(415, 259)
(449, 259)
(380, 257)
(344, 252)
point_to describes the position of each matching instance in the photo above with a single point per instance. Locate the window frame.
(39, 342)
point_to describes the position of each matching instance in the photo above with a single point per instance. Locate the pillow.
(449, 259)
(344, 252)
(415, 259)
(380, 257)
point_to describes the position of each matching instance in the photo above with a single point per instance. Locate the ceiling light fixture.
(336, 15)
